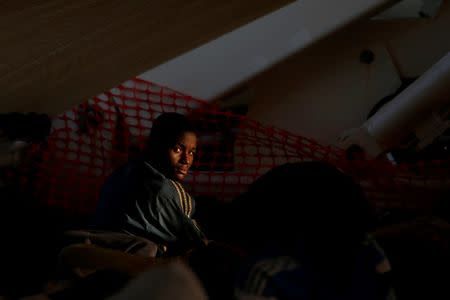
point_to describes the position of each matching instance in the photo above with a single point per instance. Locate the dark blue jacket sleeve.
(164, 219)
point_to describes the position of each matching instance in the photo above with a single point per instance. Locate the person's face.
(181, 155)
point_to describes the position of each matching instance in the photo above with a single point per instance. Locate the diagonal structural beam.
(225, 63)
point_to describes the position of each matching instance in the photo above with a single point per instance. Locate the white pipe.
(398, 118)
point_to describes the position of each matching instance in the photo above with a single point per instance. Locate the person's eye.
(177, 149)
(192, 153)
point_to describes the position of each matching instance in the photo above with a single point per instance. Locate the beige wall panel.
(326, 89)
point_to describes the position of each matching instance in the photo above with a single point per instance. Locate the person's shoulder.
(176, 191)
(169, 190)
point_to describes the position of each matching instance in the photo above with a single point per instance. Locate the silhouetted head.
(312, 202)
(172, 145)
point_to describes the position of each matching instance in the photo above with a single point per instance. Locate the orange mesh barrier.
(88, 142)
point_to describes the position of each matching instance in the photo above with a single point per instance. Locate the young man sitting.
(145, 197)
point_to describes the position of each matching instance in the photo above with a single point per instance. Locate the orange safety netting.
(88, 142)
